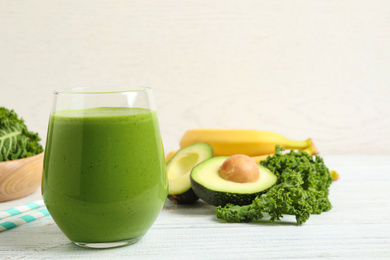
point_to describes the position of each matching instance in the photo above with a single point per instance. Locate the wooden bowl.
(21, 177)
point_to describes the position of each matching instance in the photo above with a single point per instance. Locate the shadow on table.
(200, 208)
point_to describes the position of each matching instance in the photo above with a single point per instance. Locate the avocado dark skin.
(188, 197)
(222, 198)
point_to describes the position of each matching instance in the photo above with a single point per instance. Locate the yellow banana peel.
(257, 158)
(260, 158)
(335, 175)
(169, 156)
(227, 142)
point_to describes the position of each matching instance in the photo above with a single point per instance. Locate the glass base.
(105, 245)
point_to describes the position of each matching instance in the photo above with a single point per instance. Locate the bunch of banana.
(257, 144)
(227, 142)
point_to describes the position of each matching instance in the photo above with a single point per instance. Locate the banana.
(335, 175)
(227, 142)
(256, 158)
(170, 155)
(260, 158)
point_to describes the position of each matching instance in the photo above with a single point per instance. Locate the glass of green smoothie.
(104, 178)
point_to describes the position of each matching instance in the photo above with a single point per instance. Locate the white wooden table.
(358, 226)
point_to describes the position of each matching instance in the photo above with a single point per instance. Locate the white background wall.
(302, 68)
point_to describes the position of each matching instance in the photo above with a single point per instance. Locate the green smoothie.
(104, 173)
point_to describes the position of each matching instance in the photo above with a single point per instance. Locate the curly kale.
(15, 140)
(302, 188)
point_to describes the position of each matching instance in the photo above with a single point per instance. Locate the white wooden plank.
(357, 227)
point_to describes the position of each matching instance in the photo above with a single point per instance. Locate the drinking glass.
(104, 177)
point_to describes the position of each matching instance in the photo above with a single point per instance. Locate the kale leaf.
(302, 188)
(15, 140)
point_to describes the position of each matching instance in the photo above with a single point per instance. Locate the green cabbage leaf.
(16, 141)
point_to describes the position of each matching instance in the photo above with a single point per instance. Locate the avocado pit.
(239, 168)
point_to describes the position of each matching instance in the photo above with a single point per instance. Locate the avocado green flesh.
(213, 189)
(179, 168)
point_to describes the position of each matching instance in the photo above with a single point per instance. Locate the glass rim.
(100, 90)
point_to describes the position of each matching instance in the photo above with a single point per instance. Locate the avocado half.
(214, 190)
(179, 168)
